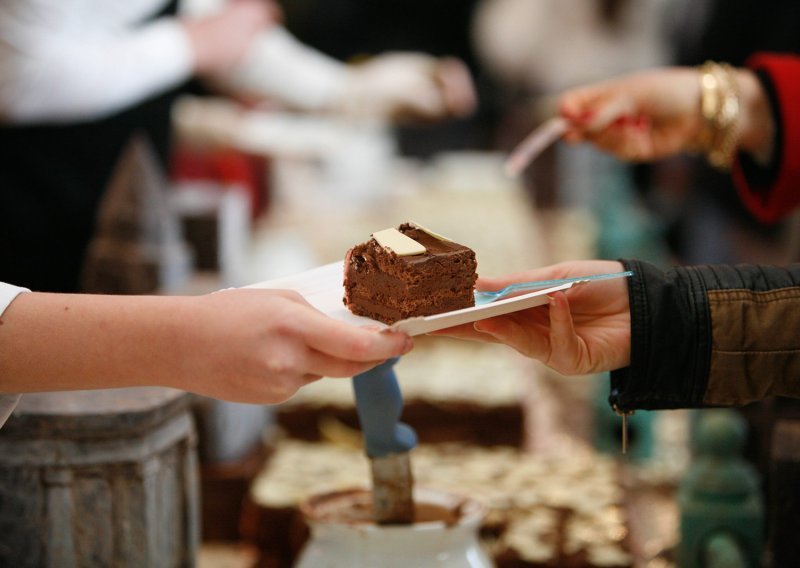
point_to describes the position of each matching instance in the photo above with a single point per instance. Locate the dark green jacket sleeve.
(710, 336)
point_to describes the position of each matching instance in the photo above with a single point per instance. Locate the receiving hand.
(585, 329)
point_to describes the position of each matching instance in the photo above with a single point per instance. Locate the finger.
(611, 111)
(457, 87)
(632, 139)
(619, 140)
(565, 346)
(496, 283)
(577, 105)
(544, 273)
(309, 378)
(352, 343)
(467, 332)
(325, 365)
(510, 331)
(484, 283)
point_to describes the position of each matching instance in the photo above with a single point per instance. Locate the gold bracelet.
(719, 105)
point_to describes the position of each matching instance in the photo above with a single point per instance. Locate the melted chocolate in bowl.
(345, 535)
(354, 507)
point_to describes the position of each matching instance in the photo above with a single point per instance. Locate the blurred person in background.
(740, 118)
(689, 336)
(78, 80)
(534, 50)
(355, 31)
(705, 219)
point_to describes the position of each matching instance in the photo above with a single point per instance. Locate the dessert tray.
(323, 288)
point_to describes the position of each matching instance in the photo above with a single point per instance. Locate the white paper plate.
(323, 288)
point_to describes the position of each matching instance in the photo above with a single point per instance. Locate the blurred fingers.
(609, 112)
(457, 87)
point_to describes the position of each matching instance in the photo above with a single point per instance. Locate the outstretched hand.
(654, 114)
(410, 87)
(640, 117)
(585, 329)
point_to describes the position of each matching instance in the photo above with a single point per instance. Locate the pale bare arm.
(243, 345)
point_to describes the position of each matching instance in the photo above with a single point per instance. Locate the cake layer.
(387, 286)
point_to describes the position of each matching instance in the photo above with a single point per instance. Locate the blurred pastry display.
(542, 512)
(452, 391)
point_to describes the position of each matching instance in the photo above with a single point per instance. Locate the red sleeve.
(780, 197)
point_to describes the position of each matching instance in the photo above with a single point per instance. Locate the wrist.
(757, 125)
(179, 332)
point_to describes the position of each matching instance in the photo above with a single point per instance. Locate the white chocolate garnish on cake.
(431, 233)
(398, 243)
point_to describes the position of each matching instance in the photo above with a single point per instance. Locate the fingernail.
(555, 298)
(642, 122)
(408, 345)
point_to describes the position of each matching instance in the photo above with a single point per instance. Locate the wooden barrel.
(99, 478)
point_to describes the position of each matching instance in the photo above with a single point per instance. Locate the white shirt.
(8, 401)
(68, 60)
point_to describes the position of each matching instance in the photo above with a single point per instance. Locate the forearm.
(711, 336)
(669, 337)
(65, 342)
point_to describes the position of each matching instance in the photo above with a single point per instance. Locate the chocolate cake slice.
(407, 272)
